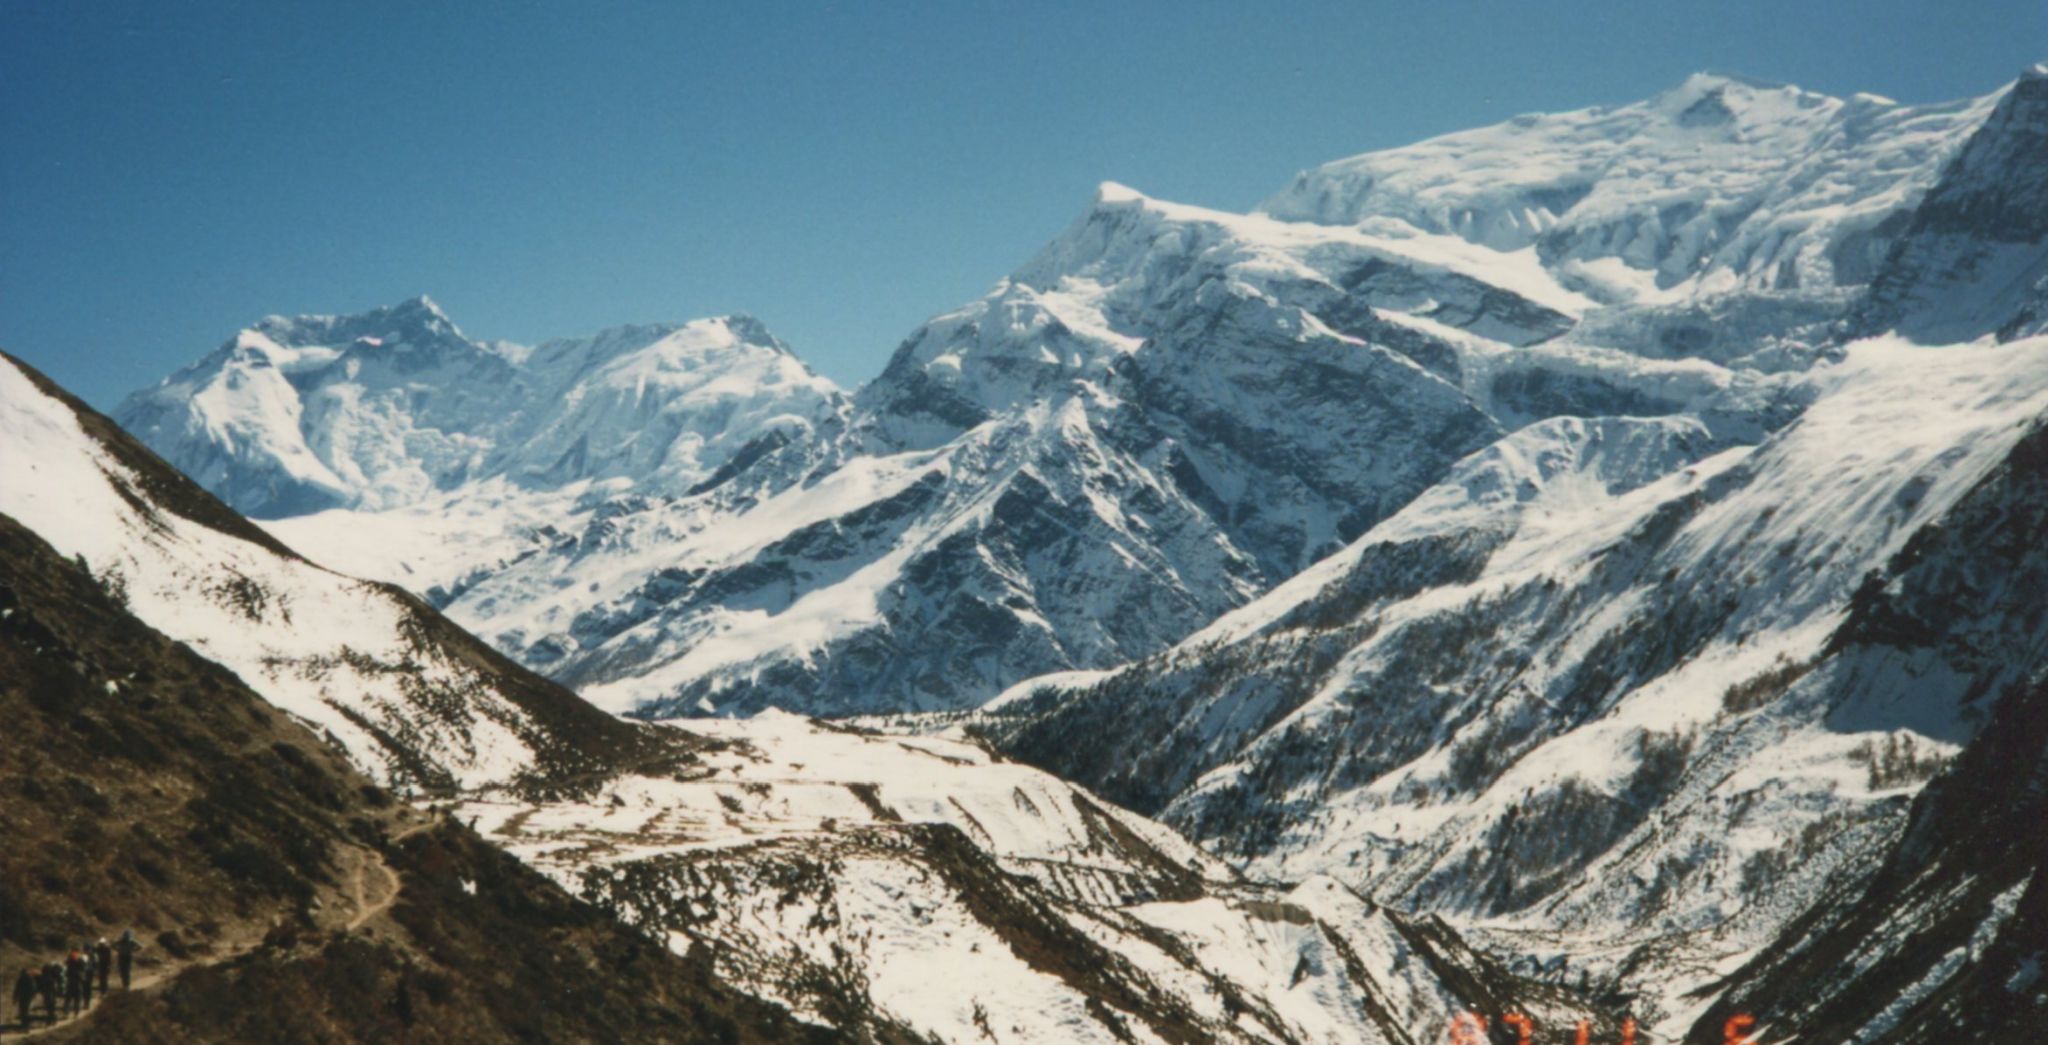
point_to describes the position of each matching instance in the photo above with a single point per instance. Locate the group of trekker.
(71, 982)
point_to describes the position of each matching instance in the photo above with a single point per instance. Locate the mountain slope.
(1975, 256)
(416, 702)
(857, 876)
(1946, 941)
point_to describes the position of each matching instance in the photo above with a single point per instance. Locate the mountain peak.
(736, 330)
(1712, 80)
(422, 306)
(1112, 192)
(413, 321)
(749, 329)
(1711, 98)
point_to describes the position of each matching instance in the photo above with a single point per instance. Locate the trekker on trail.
(24, 996)
(74, 976)
(124, 950)
(86, 974)
(51, 985)
(103, 960)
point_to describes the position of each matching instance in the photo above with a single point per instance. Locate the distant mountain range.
(1596, 529)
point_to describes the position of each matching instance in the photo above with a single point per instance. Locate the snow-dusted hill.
(1159, 418)
(917, 882)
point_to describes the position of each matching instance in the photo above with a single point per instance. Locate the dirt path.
(366, 859)
(359, 892)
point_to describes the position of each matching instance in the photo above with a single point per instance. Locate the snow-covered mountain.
(1612, 682)
(1594, 530)
(383, 410)
(1163, 415)
(1717, 185)
(1077, 469)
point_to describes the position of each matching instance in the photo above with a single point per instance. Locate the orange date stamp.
(1471, 1028)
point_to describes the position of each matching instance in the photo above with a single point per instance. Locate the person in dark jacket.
(51, 985)
(86, 973)
(103, 961)
(24, 995)
(124, 952)
(74, 982)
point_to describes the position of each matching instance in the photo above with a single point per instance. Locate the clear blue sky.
(170, 172)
